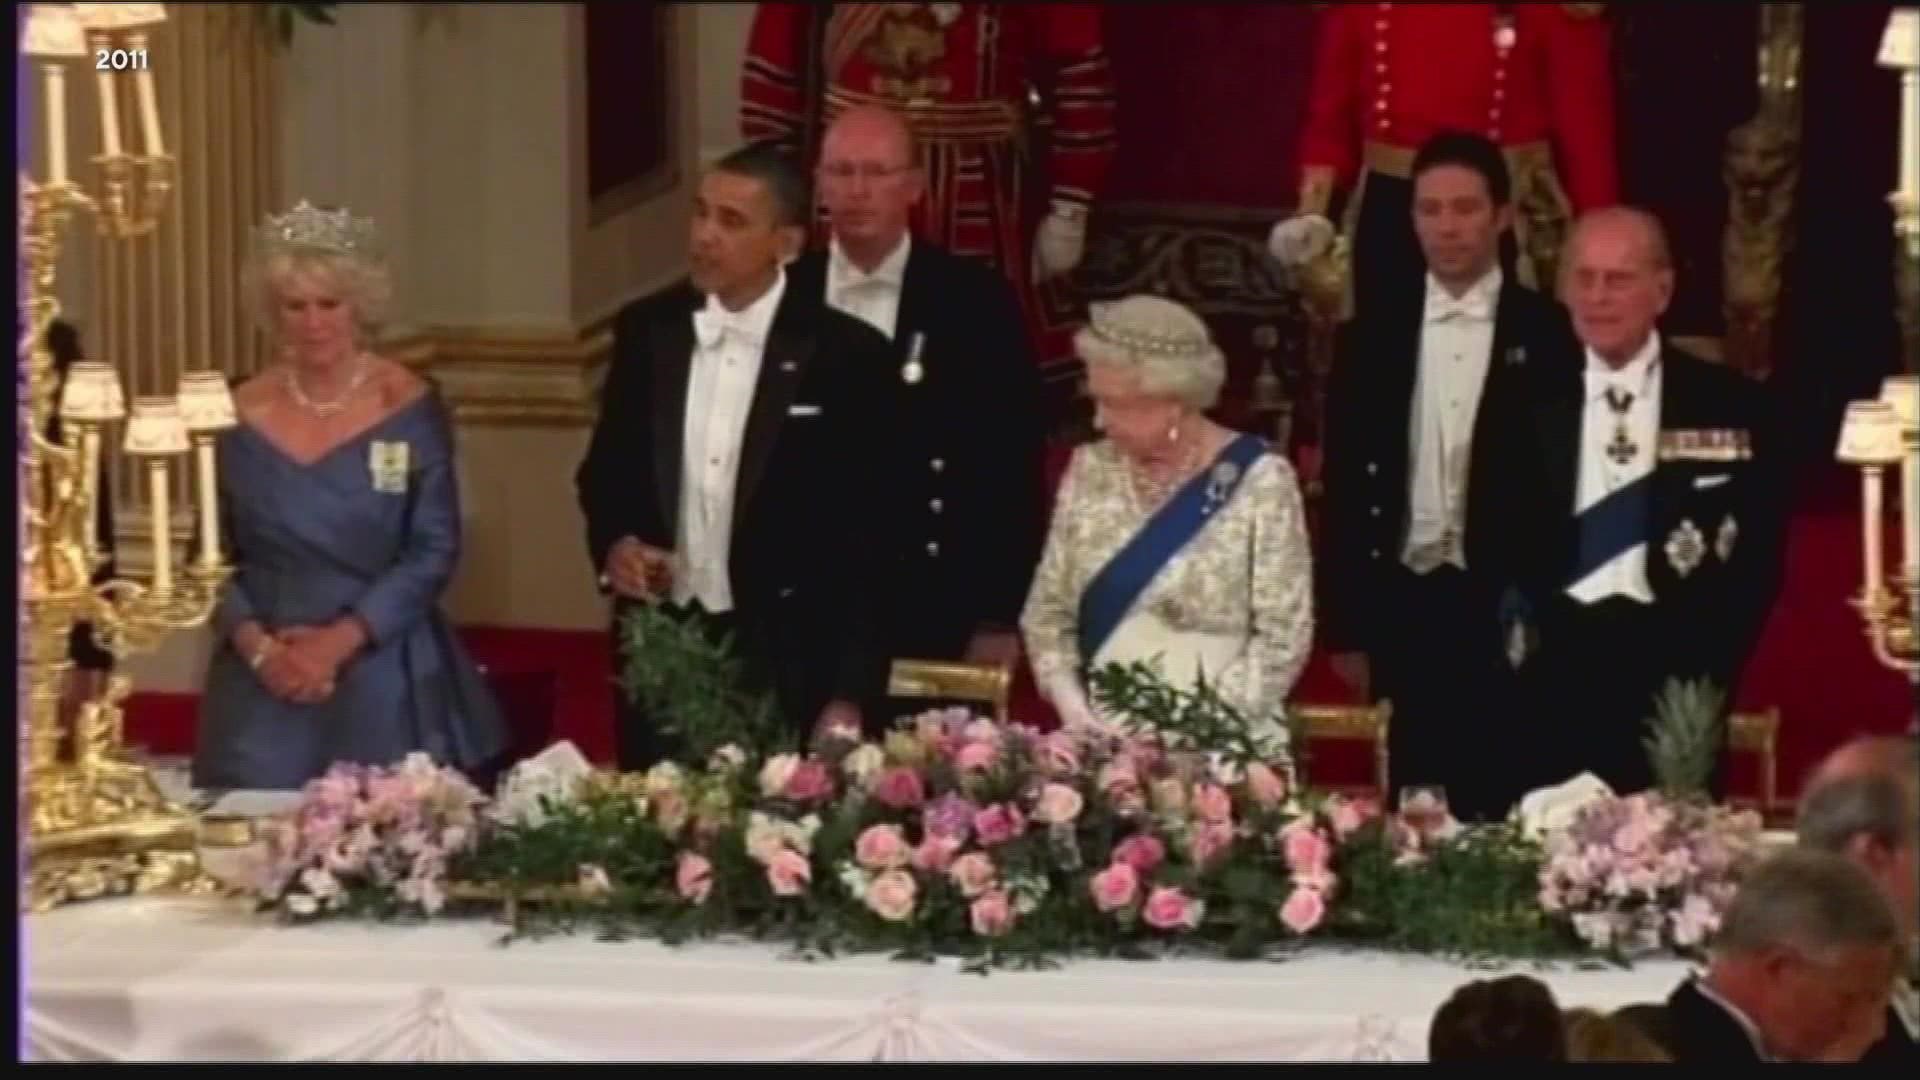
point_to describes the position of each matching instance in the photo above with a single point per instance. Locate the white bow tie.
(713, 322)
(1441, 308)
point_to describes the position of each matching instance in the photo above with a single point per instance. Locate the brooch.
(1224, 474)
(1723, 540)
(387, 462)
(1685, 547)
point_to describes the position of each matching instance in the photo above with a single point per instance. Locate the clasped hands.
(301, 664)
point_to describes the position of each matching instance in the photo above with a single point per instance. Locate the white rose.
(776, 772)
(766, 837)
(864, 764)
(664, 778)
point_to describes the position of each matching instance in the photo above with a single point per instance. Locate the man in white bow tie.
(1654, 554)
(731, 471)
(963, 443)
(1426, 396)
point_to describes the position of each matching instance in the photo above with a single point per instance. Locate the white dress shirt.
(873, 298)
(720, 387)
(1626, 574)
(1456, 340)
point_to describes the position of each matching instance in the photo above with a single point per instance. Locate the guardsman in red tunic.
(1537, 79)
(962, 74)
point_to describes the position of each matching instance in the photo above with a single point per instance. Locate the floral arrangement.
(1646, 873)
(372, 841)
(961, 836)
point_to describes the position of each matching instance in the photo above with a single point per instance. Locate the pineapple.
(1683, 740)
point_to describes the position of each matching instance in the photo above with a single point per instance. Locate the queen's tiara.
(306, 227)
(1148, 326)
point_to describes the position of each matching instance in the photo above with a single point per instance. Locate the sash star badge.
(387, 463)
(1685, 547)
(1723, 540)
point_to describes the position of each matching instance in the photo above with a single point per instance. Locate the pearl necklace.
(1148, 492)
(324, 409)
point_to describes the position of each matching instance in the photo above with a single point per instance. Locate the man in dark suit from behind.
(1654, 550)
(1864, 802)
(963, 438)
(1800, 969)
(728, 475)
(1423, 405)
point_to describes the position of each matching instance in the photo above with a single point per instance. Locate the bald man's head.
(1617, 280)
(1892, 755)
(869, 180)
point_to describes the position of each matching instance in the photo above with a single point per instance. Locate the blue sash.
(1611, 526)
(1112, 592)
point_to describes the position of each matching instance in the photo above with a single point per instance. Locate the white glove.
(1300, 239)
(1060, 242)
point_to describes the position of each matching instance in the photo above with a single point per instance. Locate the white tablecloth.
(176, 980)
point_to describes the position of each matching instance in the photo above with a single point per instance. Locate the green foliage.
(1684, 738)
(1145, 703)
(692, 683)
(1473, 897)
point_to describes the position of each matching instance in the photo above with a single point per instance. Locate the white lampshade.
(205, 404)
(1903, 393)
(120, 16)
(92, 393)
(1870, 435)
(1900, 45)
(54, 31)
(155, 429)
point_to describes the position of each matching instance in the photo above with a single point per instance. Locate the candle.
(209, 502)
(149, 113)
(162, 532)
(1910, 514)
(1910, 134)
(56, 124)
(1870, 526)
(90, 490)
(109, 114)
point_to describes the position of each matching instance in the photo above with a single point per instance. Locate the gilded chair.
(1349, 723)
(985, 685)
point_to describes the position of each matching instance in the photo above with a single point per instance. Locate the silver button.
(1375, 553)
(933, 549)
(1372, 468)
(937, 464)
(1374, 510)
(936, 505)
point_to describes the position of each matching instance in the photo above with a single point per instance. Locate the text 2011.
(120, 60)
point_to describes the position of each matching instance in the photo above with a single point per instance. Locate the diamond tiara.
(308, 228)
(1108, 325)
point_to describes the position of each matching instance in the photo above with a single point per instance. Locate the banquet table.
(179, 979)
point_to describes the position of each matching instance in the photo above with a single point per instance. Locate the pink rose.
(998, 824)
(972, 873)
(991, 913)
(693, 877)
(1170, 909)
(881, 847)
(935, 854)
(1211, 803)
(1346, 815)
(890, 895)
(1059, 805)
(976, 757)
(1140, 851)
(1115, 887)
(1266, 786)
(983, 731)
(1118, 775)
(1059, 756)
(809, 782)
(789, 873)
(1307, 850)
(1209, 842)
(899, 788)
(1303, 910)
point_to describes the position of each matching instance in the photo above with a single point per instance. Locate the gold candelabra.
(97, 823)
(1879, 435)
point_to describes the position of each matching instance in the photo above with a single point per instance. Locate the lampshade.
(1903, 393)
(54, 32)
(1900, 45)
(1870, 435)
(92, 393)
(156, 429)
(119, 16)
(205, 404)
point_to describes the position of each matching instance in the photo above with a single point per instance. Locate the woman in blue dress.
(338, 492)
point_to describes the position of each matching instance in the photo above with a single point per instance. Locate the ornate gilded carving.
(1762, 173)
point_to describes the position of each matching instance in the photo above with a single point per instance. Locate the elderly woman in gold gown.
(1174, 541)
